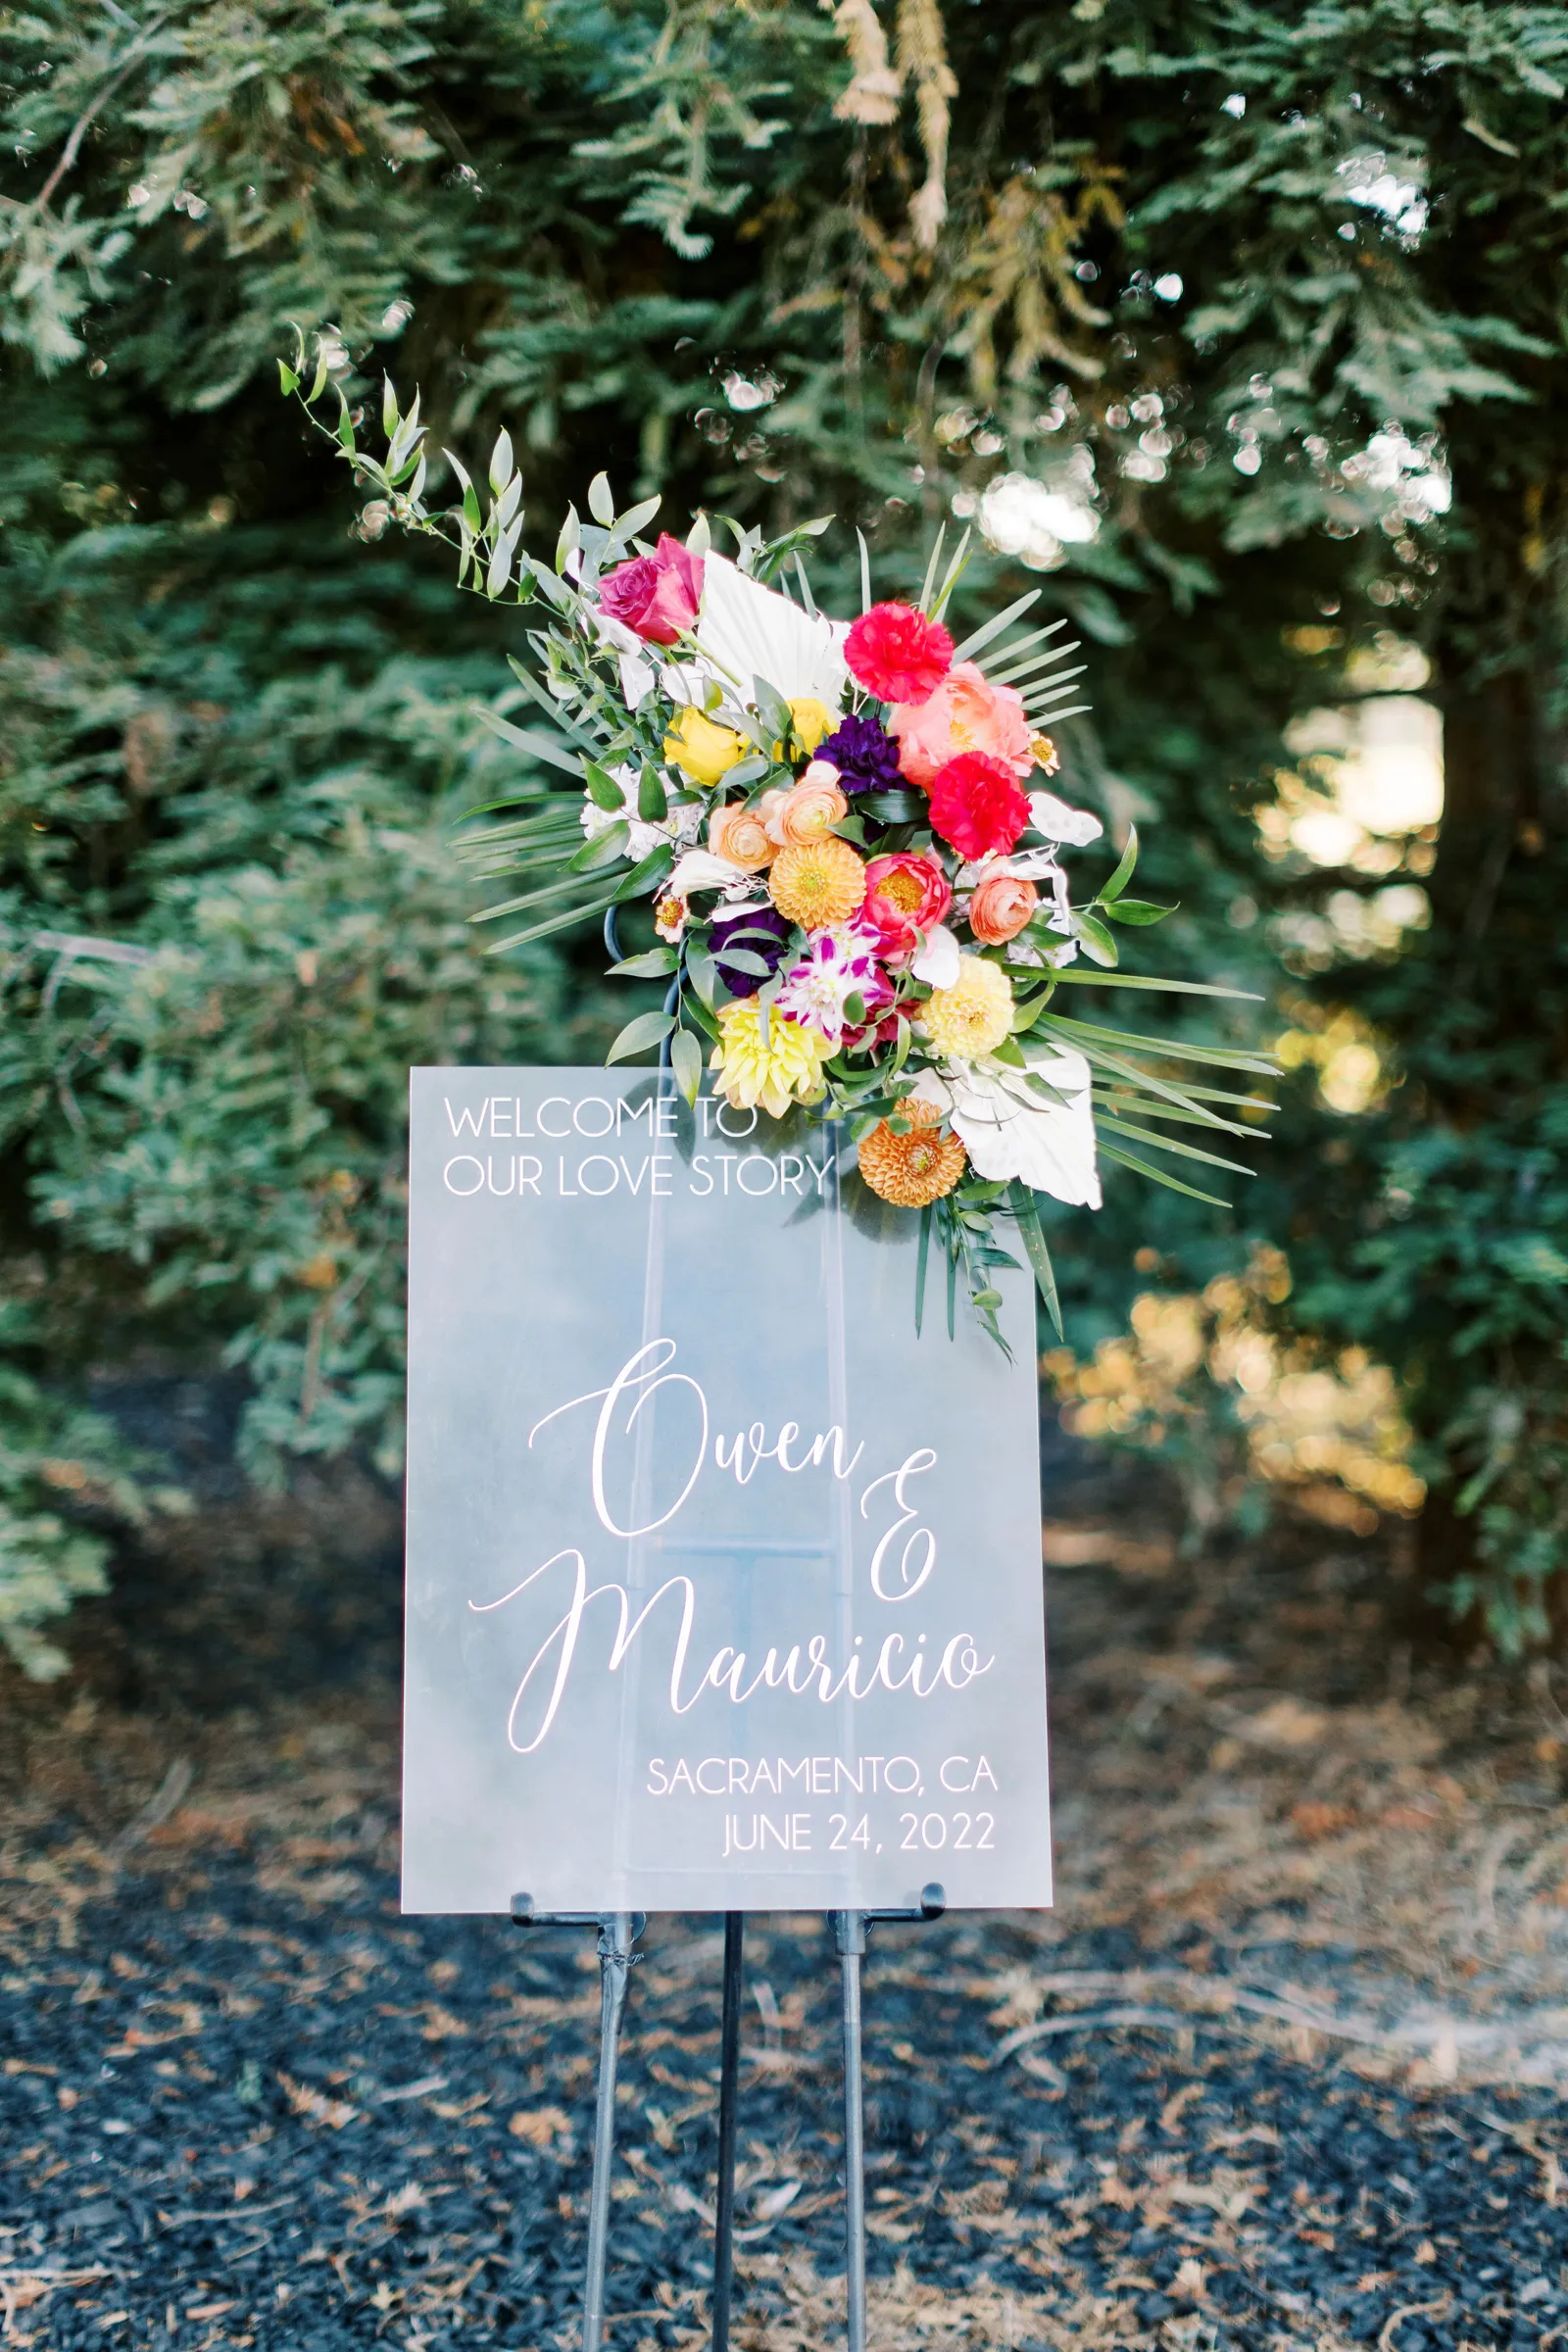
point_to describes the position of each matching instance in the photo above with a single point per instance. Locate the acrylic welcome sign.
(724, 1586)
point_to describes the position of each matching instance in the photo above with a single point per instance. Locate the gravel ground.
(1282, 2069)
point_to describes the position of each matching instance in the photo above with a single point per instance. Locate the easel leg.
(729, 2066)
(616, 1936)
(849, 1932)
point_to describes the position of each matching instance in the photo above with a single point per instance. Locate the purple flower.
(759, 931)
(837, 965)
(864, 754)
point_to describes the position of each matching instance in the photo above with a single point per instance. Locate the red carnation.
(655, 596)
(897, 655)
(977, 803)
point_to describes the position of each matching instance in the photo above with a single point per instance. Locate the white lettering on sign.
(805, 1668)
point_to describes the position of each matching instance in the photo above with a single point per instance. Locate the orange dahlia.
(817, 883)
(912, 1170)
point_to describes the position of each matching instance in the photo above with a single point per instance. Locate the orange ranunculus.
(804, 814)
(739, 834)
(966, 714)
(1001, 906)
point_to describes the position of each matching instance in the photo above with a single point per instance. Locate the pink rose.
(655, 596)
(966, 714)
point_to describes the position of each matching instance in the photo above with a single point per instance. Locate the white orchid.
(936, 958)
(700, 869)
(1010, 1131)
(1053, 820)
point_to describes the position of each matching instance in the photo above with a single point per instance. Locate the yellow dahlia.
(787, 1068)
(974, 1014)
(914, 1169)
(817, 883)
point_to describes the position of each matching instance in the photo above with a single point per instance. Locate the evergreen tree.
(1199, 311)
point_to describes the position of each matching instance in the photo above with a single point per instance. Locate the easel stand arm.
(850, 1936)
(619, 1932)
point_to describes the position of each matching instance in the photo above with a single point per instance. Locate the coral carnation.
(967, 713)
(897, 654)
(977, 804)
(905, 895)
(973, 1015)
(817, 884)
(914, 1169)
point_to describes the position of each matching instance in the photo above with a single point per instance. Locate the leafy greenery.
(775, 260)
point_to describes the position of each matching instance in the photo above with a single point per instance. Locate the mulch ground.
(1284, 2068)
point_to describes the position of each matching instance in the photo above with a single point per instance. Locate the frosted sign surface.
(723, 1587)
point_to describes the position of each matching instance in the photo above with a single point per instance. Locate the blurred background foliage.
(1238, 328)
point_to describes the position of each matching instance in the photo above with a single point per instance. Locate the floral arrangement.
(845, 835)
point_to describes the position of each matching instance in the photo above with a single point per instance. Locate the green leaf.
(652, 801)
(1137, 910)
(501, 462)
(686, 1061)
(1095, 939)
(286, 376)
(389, 408)
(648, 1029)
(993, 628)
(601, 504)
(556, 922)
(1124, 871)
(699, 970)
(538, 746)
(648, 873)
(1027, 1211)
(604, 849)
(892, 807)
(631, 523)
(1075, 974)
(470, 496)
(1142, 1167)
(653, 963)
(1106, 1122)
(603, 789)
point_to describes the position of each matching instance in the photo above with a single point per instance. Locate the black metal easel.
(619, 1932)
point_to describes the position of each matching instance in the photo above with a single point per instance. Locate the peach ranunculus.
(1000, 907)
(804, 814)
(966, 714)
(739, 834)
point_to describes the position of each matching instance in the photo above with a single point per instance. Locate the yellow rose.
(703, 750)
(812, 722)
